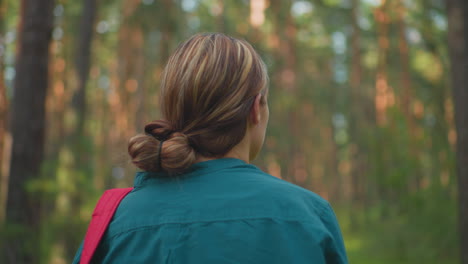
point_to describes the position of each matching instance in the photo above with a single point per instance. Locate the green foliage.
(420, 232)
(8, 231)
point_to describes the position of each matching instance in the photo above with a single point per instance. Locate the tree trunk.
(406, 90)
(83, 57)
(285, 31)
(382, 88)
(356, 117)
(383, 92)
(458, 46)
(28, 125)
(3, 114)
(405, 76)
(77, 139)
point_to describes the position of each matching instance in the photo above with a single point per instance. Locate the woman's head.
(208, 89)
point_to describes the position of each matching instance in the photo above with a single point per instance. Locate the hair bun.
(160, 129)
(177, 153)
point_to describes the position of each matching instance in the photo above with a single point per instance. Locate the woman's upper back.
(222, 211)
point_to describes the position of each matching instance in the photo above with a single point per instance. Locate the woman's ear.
(255, 110)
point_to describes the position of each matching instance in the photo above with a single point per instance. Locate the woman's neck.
(240, 151)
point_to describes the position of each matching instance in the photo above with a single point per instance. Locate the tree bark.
(286, 59)
(382, 89)
(83, 58)
(405, 76)
(356, 112)
(3, 113)
(457, 12)
(28, 125)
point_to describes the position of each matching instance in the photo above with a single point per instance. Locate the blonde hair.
(207, 90)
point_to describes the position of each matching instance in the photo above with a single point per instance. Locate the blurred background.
(361, 112)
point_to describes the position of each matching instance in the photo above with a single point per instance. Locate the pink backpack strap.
(102, 215)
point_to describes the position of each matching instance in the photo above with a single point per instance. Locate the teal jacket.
(221, 211)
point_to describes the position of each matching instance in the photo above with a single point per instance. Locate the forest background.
(365, 111)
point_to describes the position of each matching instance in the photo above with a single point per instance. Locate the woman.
(198, 200)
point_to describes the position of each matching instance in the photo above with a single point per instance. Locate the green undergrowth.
(423, 232)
